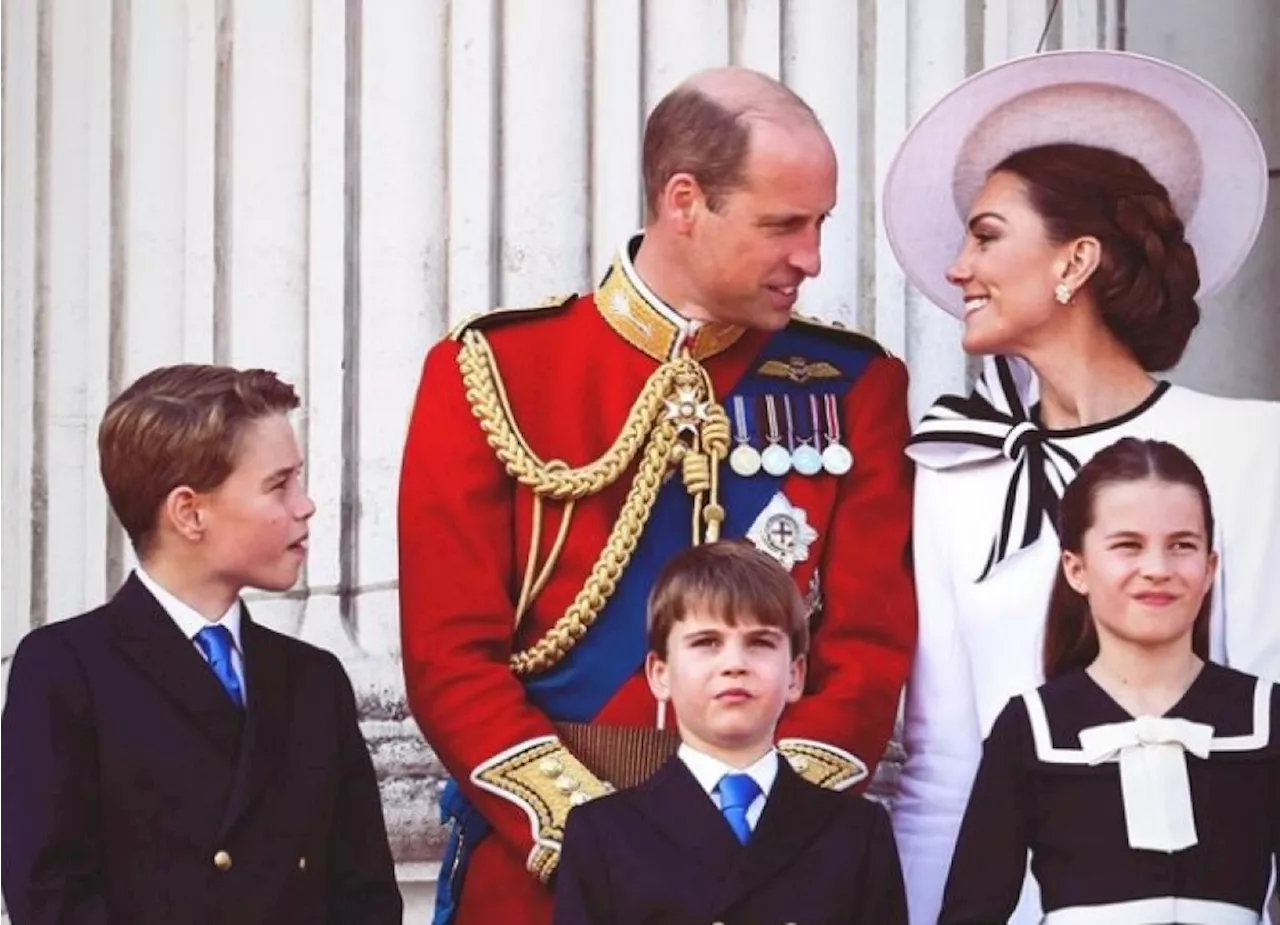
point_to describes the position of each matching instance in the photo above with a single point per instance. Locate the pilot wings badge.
(798, 369)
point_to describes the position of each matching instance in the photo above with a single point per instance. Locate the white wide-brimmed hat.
(1186, 132)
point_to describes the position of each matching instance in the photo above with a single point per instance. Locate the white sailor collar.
(1248, 729)
(1152, 751)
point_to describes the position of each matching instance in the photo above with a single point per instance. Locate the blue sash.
(595, 669)
(612, 652)
(466, 827)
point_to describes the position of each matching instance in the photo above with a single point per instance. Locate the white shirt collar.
(187, 618)
(707, 771)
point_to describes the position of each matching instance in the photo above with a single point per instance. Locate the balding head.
(703, 128)
(749, 95)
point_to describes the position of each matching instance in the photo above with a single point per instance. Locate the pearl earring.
(1062, 292)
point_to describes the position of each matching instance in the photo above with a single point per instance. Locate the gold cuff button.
(566, 784)
(222, 860)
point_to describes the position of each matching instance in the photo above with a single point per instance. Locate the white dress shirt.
(191, 623)
(707, 771)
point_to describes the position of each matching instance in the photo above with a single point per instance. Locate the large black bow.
(991, 422)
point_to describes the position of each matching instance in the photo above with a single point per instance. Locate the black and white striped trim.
(1256, 740)
(995, 421)
(1155, 911)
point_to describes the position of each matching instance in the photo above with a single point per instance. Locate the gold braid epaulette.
(682, 378)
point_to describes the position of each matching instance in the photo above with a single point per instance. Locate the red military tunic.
(571, 374)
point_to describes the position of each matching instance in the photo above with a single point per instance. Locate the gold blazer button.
(222, 860)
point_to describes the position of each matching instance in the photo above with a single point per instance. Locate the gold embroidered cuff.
(543, 861)
(823, 764)
(544, 779)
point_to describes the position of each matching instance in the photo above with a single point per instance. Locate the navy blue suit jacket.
(662, 853)
(135, 792)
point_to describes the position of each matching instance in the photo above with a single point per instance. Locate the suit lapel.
(148, 637)
(675, 803)
(268, 713)
(794, 814)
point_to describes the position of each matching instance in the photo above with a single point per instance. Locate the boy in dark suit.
(725, 831)
(166, 759)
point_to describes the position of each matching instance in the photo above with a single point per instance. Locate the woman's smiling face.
(1008, 269)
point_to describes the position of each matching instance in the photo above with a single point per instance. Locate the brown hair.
(1070, 639)
(733, 580)
(691, 131)
(179, 425)
(1146, 282)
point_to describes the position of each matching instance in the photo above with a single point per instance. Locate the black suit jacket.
(136, 793)
(662, 853)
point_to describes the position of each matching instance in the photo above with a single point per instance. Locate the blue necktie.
(216, 644)
(737, 792)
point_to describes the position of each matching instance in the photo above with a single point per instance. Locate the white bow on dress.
(1152, 752)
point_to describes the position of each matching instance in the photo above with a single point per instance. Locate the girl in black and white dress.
(1143, 780)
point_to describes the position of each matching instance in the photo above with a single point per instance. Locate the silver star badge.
(686, 411)
(782, 531)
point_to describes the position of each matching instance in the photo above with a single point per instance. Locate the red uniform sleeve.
(862, 646)
(456, 606)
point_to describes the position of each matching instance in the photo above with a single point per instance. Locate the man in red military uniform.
(557, 456)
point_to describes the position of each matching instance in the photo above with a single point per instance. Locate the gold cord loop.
(695, 469)
(677, 401)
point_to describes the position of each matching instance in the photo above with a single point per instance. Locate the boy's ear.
(655, 672)
(795, 683)
(182, 509)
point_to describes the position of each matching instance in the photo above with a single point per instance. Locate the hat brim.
(1190, 135)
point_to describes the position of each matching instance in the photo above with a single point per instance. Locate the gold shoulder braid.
(823, 764)
(499, 315)
(675, 419)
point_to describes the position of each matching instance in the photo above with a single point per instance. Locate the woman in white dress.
(1070, 208)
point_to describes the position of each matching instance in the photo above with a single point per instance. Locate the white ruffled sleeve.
(1248, 516)
(942, 735)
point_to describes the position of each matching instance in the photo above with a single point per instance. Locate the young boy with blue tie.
(725, 831)
(166, 758)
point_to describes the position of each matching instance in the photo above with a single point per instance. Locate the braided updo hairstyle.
(1147, 278)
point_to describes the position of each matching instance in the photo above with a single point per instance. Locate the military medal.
(745, 459)
(775, 459)
(782, 531)
(806, 459)
(836, 458)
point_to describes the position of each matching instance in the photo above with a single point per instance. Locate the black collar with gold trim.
(649, 324)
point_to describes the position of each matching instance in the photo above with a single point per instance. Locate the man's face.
(748, 257)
